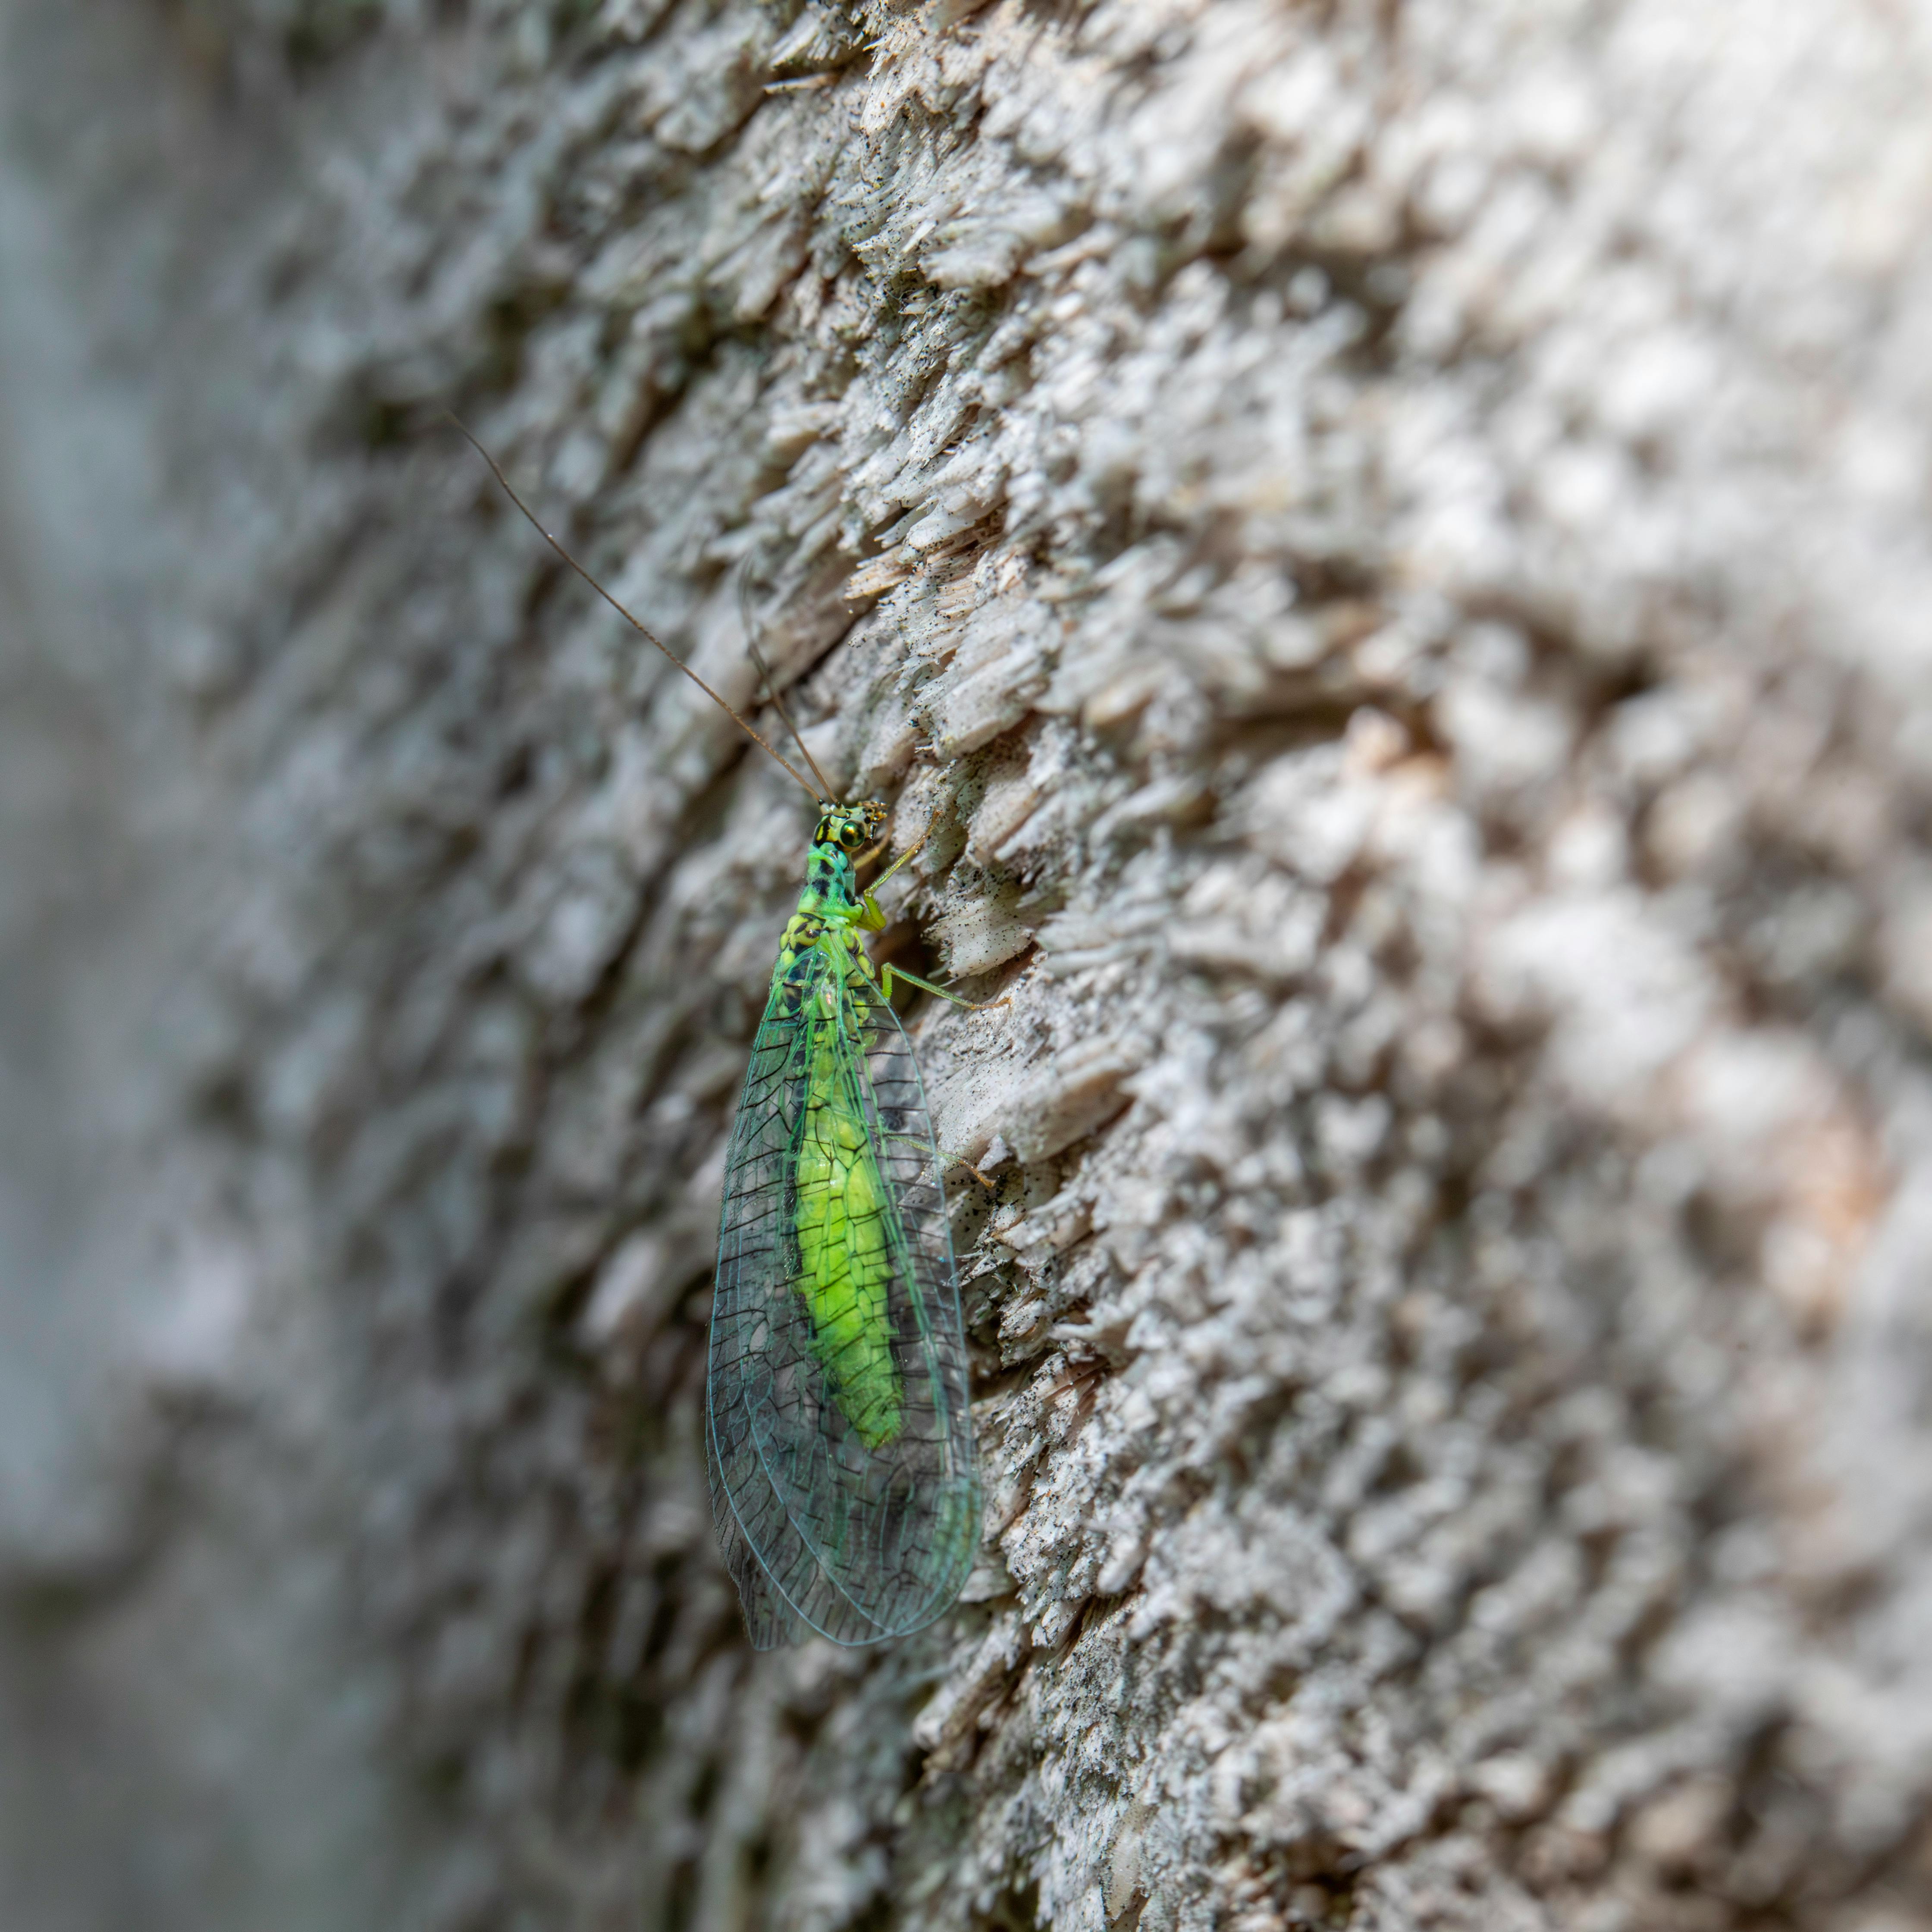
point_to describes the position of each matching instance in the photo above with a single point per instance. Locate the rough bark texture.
(1385, 544)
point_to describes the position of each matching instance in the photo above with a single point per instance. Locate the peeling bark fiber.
(1385, 548)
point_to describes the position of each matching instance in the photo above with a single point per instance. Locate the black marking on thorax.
(829, 885)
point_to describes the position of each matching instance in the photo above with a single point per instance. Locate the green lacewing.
(837, 1423)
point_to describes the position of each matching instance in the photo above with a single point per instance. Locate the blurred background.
(185, 1744)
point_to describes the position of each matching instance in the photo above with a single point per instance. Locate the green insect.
(837, 1418)
(839, 1427)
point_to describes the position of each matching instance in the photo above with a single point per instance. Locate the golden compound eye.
(850, 835)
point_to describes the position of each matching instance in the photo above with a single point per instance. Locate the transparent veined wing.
(841, 1454)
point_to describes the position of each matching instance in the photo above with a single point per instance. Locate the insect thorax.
(832, 904)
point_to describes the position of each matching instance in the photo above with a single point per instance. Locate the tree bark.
(1384, 549)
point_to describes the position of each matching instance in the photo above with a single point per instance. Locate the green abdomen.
(845, 1258)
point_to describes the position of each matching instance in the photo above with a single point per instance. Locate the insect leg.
(911, 851)
(887, 974)
(948, 1161)
(872, 918)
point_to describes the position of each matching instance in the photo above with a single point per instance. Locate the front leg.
(871, 916)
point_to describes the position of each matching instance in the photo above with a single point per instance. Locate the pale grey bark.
(1386, 546)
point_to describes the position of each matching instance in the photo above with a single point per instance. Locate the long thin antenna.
(771, 689)
(497, 470)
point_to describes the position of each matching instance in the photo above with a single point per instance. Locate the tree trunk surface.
(1383, 547)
